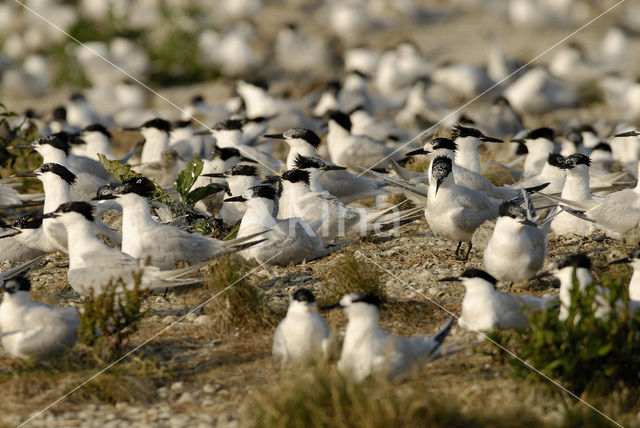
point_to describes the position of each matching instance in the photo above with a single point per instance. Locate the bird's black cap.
(305, 134)
(296, 176)
(304, 295)
(161, 124)
(577, 260)
(477, 273)
(59, 170)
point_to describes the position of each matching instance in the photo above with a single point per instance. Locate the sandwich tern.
(485, 308)
(302, 335)
(93, 265)
(31, 329)
(367, 349)
(160, 245)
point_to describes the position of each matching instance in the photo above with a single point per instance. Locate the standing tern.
(453, 211)
(517, 247)
(540, 143)
(31, 329)
(367, 349)
(303, 335)
(485, 308)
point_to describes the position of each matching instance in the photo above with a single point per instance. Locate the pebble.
(190, 317)
(185, 398)
(202, 320)
(177, 386)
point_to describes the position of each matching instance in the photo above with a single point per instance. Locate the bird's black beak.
(103, 197)
(8, 234)
(235, 199)
(486, 139)
(541, 275)
(333, 168)
(214, 174)
(203, 132)
(450, 279)
(274, 136)
(51, 215)
(619, 261)
(416, 152)
(528, 222)
(20, 146)
(439, 181)
(25, 174)
(633, 133)
(132, 129)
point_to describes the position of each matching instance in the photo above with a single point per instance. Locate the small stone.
(185, 398)
(202, 320)
(190, 317)
(208, 389)
(177, 386)
(169, 319)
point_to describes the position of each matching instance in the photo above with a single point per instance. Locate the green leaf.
(123, 171)
(118, 170)
(605, 349)
(202, 192)
(188, 177)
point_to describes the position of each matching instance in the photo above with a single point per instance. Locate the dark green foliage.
(109, 319)
(187, 178)
(585, 353)
(123, 171)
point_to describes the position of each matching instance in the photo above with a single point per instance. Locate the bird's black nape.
(460, 131)
(305, 162)
(304, 134)
(509, 209)
(341, 118)
(83, 208)
(367, 298)
(228, 125)
(54, 141)
(247, 170)
(304, 295)
(544, 132)
(97, 127)
(477, 273)
(158, 123)
(139, 185)
(442, 143)
(556, 159)
(296, 176)
(577, 260)
(17, 283)
(266, 192)
(59, 170)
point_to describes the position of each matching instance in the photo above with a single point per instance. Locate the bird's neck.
(303, 149)
(136, 215)
(314, 181)
(55, 156)
(576, 186)
(82, 240)
(467, 155)
(259, 212)
(56, 192)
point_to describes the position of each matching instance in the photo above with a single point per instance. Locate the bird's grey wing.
(509, 309)
(617, 213)
(475, 210)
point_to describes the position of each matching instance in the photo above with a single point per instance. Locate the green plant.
(187, 178)
(351, 273)
(238, 303)
(585, 352)
(108, 319)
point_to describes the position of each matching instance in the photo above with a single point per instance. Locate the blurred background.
(452, 50)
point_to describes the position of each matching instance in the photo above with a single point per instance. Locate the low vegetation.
(351, 272)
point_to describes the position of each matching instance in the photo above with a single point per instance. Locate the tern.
(367, 349)
(156, 133)
(289, 240)
(634, 284)
(159, 244)
(34, 330)
(485, 308)
(303, 335)
(517, 247)
(468, 140)
(342, 184)
(93, 266)
(239, 178)
(453, 211)
(540, 143)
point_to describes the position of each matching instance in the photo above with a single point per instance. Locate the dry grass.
(239, 304)
(350, 273)
(320, 397)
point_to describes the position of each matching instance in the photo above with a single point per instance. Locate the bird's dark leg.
(466, 257)
(458, 250)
